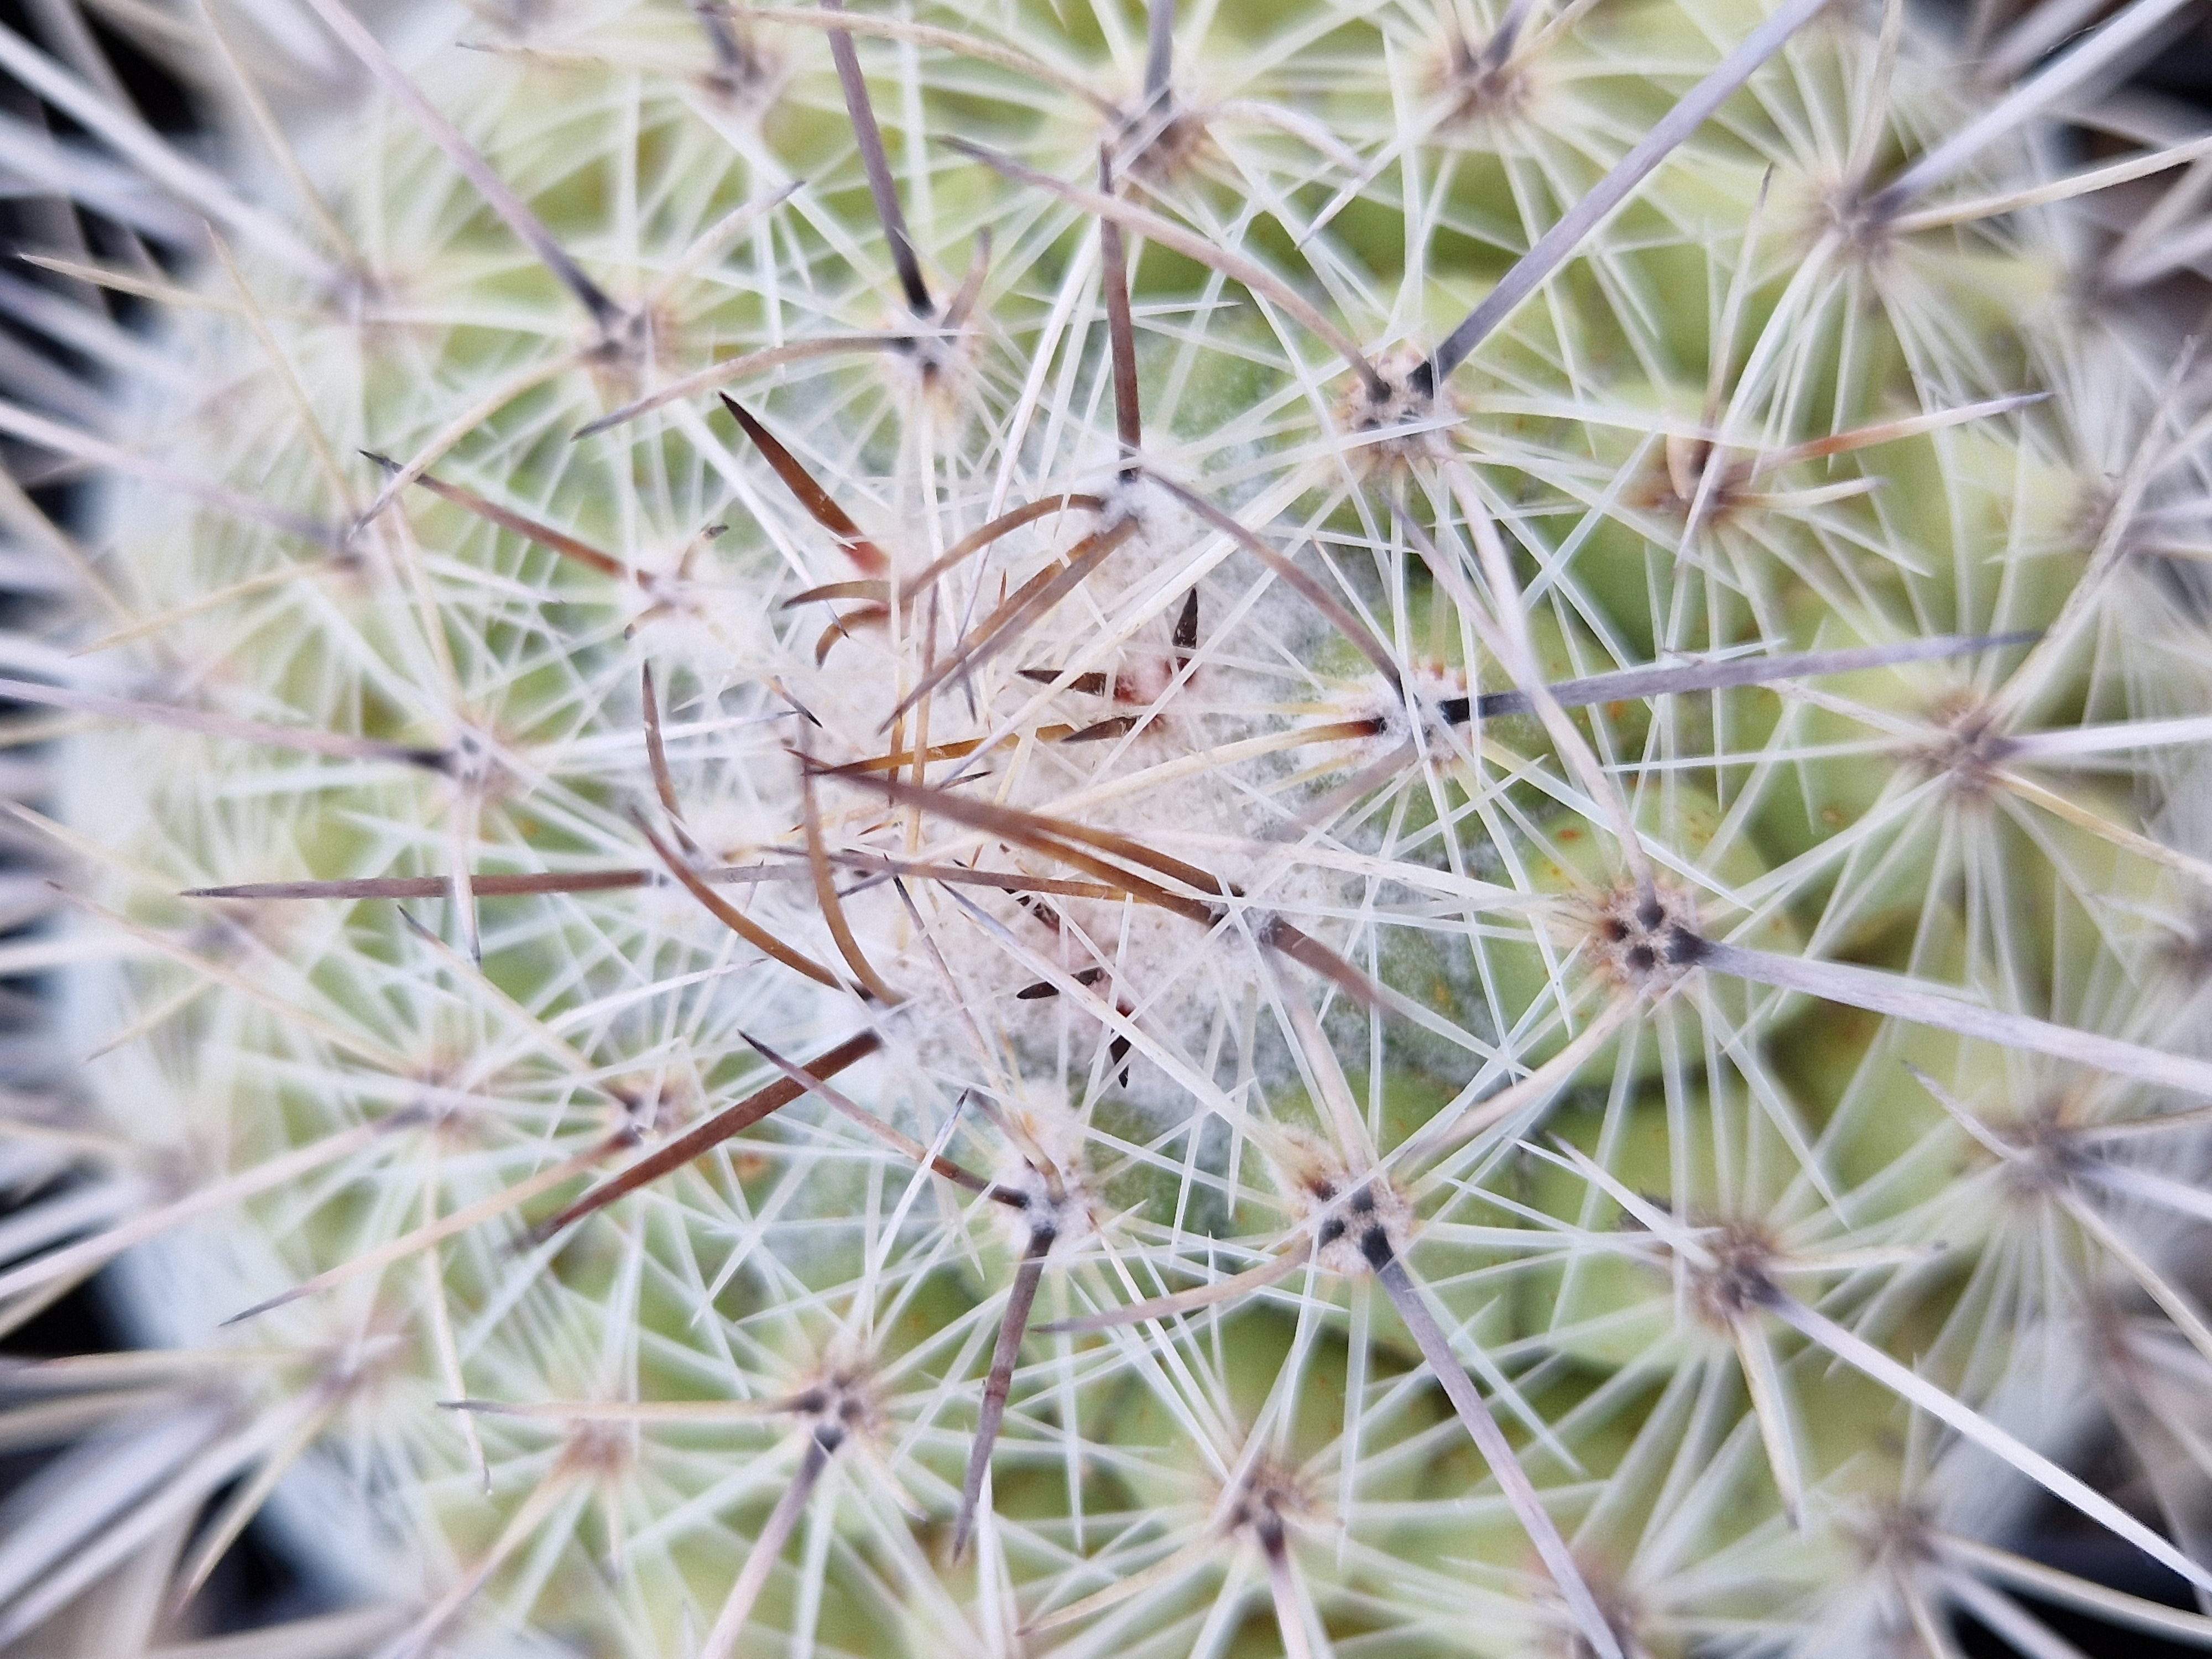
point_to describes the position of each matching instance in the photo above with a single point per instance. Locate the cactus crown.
(1317, 828)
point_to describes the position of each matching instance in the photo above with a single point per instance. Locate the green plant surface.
(1088, 942)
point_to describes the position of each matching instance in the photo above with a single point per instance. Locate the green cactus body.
(1120, 900)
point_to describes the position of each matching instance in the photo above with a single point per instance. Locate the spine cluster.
(1305, 828)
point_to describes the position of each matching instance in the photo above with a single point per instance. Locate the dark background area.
(254, 1586)
(2183, 68)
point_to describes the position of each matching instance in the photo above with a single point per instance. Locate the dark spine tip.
(389, 466)
(1499, 47)
(909, 269)
(531, 1237)
(868, 139)
(1878, 208)
(1120, 330)
(733, 64)
(607, 316)
(1103, 731)
(1159, 49)
(1037, 907)
(1375, 1245)
(1186, 627)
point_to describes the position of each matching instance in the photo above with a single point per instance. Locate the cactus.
(1303, 829)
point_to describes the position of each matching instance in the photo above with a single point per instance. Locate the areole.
(1018, 829)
